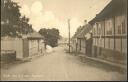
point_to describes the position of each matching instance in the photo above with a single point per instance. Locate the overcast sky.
(55, 13)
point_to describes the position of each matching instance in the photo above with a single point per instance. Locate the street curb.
(105, 62)
(32, 57)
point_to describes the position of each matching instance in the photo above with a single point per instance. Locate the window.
(94, 29)
(94, 41)
(99, 29)
(118, 25)
(109, 27)
(123, 27)
(119, 29)
(102, 30)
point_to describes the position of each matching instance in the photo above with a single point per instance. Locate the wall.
(109, 37)
(33, 47)
(83, 46)
(73, 41)
(41, 47)
(13, 44)
(36, 47)
(79, 44)
(23, 47)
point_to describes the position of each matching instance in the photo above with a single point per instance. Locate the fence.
(7, 56)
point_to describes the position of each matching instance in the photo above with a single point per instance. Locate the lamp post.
(76, 45)
(69, 33)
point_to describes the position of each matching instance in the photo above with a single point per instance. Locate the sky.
(55, 13)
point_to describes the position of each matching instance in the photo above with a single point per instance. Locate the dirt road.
(58, 65)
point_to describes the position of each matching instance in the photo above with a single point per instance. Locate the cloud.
(46, 19)
(79, 10)
(75, 23)
(36, 7)
(25, 10)
(48, 15)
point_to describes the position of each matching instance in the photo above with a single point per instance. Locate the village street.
(58, 65)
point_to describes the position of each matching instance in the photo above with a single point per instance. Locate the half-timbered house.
(110, 32)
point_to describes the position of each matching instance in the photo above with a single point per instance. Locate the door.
(25, 48)
(89, 47)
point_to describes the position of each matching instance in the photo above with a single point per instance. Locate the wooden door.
(89, 47)
(25, 48)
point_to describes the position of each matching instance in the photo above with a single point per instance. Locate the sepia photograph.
(63, 40)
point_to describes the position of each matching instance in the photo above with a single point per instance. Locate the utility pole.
(69, 33)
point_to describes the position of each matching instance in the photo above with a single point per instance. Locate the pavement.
(123, 67)
(61, 66)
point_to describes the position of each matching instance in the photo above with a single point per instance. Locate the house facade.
(32, 44)
(110, 32)
(13, 44)
(82, 41)
(35, 44)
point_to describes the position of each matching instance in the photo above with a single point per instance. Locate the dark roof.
(85, 30)
(111, 9)
(35, 35)
(75, 35)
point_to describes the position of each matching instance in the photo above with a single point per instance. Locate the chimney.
(85, 21)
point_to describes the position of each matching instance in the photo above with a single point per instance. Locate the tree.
(12, 24)
(10, 12)
(51, 36)
(25, 27)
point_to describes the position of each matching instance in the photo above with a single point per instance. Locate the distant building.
(82, 40)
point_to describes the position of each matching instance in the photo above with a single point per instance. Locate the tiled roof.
(75, 35)
(35, 35)
(113, 7)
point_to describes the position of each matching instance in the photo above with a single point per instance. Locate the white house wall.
(83, 46)
(13, 44)
(41, 46)
(33, 47)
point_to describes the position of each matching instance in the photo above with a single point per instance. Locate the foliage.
(12, 23)
(51, 36)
